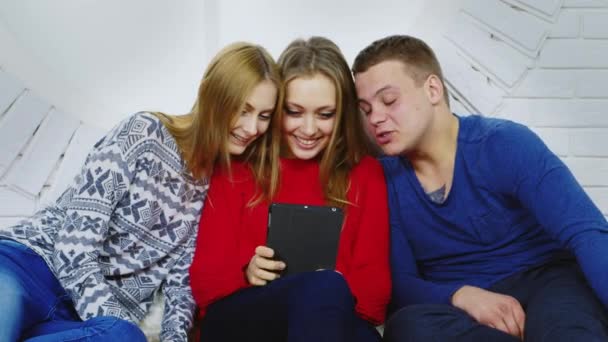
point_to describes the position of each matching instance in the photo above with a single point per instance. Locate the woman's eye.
(265, 116)
(291, 112)
(327, 115)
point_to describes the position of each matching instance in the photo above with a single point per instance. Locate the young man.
(492, 238)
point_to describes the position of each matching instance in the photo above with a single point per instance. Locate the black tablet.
(305, 237)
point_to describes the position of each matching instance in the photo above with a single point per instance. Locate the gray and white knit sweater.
(125, 228)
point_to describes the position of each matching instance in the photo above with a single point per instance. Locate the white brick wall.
(589, 142)
(563, 94)
(574, 54)
(564, 83)
(589, 171)
(585, 3)
(33, 138)
(567, 25)
(594, 25)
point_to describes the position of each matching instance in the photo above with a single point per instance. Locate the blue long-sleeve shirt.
(513, 205)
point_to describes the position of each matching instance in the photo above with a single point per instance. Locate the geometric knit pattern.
(125, 228)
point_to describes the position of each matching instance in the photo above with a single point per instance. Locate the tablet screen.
(305, 237)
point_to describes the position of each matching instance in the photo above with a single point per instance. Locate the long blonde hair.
(348, 142)
(202, 135)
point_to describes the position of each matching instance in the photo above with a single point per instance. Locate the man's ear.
(434, 89)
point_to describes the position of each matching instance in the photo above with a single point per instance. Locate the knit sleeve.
(89, 203)
(179, 303)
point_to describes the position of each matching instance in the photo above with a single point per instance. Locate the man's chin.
(389, 150)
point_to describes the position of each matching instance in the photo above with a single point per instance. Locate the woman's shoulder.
(236, 172)
(366, 181)
(138, 124)
(144, 125)
(368, 173)
(138, 128)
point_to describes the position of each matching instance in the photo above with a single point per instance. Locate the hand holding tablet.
(262, 268)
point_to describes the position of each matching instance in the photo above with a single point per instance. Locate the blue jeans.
(313, 306)
(558, 303)
(35, 307)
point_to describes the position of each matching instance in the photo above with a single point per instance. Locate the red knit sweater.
(230, 230)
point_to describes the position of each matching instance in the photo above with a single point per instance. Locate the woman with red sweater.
(324, 160)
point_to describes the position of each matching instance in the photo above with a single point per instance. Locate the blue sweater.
(513, 205)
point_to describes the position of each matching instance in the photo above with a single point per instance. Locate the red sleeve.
(217, 269)
(369, 272)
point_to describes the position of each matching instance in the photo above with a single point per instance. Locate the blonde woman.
(87, 267)
(324, 161)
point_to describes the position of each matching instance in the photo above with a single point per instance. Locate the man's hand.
(495, 310)
(261, 268)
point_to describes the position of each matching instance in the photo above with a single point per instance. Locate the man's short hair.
(418, 58)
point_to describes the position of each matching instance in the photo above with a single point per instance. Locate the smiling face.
(309, 115)
(254, 119)
(398, 110)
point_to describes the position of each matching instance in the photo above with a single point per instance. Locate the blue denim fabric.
(558, 302)
(312, 306)
(35, 307)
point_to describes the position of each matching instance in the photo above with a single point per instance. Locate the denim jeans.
(558, 303)
(35, 307)
(312, 306)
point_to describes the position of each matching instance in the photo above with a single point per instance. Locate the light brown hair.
(418, 58)
(348, 142)
(203, 134)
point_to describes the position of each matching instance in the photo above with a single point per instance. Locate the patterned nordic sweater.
(125, 228)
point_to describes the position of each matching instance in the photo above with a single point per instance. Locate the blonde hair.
(348, 142)
(203, 134)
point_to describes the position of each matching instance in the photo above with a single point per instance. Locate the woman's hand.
(262, 269)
